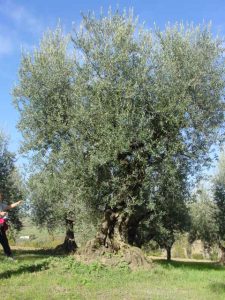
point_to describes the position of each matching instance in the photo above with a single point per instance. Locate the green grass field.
(38, 274)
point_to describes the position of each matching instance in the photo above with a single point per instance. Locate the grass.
(40, 237)
(38, 274)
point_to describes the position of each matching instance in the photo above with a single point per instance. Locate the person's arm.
(15, 204)
(2, 213)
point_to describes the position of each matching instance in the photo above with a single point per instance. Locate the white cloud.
(20, 16)
(18, 27)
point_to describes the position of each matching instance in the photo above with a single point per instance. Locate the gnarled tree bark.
(69, 245)
(168, 253)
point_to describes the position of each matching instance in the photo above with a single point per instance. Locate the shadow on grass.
(190, 265)
(33, 254)
(43, 251)
(37, 252)
(25, 269)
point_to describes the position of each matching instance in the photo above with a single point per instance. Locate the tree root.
(128, 255)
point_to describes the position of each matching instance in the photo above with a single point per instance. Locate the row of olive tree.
(118, 126)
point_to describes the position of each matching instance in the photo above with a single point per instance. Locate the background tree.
(54, 205)
(10, 181)
(170, 215)
(219, 198)
(207, 213)
(115, 116)
(203, 214)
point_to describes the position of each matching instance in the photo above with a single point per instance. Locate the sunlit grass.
(38, 274)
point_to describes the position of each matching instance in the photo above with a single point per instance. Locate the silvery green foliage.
(109, 120)
(43, 96)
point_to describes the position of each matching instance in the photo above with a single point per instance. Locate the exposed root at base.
(128, 255)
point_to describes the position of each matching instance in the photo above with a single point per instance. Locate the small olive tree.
(203, 214)
(219, 199)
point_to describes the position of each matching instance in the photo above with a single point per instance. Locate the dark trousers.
(4, 242)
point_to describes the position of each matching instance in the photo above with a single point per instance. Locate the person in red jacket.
(3, 224)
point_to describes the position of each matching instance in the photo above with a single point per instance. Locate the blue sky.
(22, 24)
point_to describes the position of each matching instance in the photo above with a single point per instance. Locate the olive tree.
(203, 215)
(219, 199)
(112, 118)
(170, 215)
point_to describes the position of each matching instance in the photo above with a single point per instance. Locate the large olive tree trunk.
(118, 228)
(113, 237)
(112, 231)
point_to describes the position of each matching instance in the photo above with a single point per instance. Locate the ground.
(40, 274)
